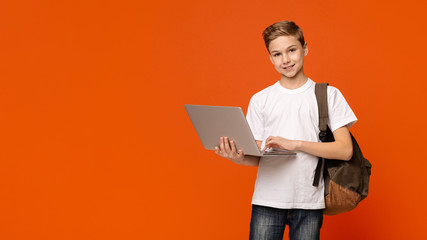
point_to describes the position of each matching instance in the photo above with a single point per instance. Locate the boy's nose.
(285, 58)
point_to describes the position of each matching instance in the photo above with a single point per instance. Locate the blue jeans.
(269, 223)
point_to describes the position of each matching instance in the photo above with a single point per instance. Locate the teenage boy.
(285, 115)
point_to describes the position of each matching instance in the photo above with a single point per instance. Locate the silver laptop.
(213, 122)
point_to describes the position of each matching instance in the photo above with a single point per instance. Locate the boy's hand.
(282, 143)
(227, 149)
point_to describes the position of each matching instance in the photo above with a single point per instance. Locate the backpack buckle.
(322, 136)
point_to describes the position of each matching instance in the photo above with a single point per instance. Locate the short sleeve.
(255, 120)
(340, 113)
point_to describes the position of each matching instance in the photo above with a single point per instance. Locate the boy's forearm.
(332, 150)
(341, 148)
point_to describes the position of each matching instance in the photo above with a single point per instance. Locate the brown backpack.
(346, 182)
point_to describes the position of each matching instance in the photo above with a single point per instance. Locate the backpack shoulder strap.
(322, 103)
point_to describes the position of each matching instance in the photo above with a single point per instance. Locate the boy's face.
(287, 56)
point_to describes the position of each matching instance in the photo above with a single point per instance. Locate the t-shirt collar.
(301, 89)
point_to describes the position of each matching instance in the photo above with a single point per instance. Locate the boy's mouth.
(289, 68)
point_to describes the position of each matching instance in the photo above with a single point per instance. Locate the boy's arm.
(341, 149)
(227, 149)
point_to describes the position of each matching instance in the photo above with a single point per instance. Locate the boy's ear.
(305, 49)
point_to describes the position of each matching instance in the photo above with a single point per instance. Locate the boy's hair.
(283, 28)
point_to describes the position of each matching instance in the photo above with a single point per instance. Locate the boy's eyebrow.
(293, 45)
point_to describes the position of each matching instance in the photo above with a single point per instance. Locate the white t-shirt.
(287, 181)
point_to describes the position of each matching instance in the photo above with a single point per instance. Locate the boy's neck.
(293, 83)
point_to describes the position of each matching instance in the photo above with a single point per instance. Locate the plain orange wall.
(96, 144)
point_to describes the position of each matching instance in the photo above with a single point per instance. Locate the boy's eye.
(292, 50)
(276, 54)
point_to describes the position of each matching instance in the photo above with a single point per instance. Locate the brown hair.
(283, 28)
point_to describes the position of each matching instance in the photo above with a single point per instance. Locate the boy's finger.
(227, 145)
(240, 152)
(233, 146)
(221, 144)
(265, 147)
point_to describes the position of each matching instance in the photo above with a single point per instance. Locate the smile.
(289, 68)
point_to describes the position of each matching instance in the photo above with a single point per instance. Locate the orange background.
(96, 144)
